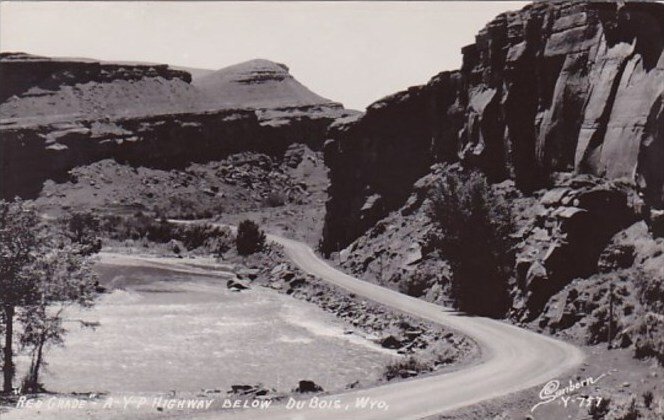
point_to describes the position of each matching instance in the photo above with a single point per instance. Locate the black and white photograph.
(332, 210)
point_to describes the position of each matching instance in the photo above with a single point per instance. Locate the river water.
(161, 331)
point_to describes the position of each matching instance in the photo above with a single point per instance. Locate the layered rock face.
(21, 72)
(556, 87)
(32, 154)
(58, 114)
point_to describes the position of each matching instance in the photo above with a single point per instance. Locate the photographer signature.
(552, 390)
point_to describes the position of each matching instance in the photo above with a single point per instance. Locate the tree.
(42, 271)
(65, 279)
(19, 245)
(474, 227)
(249, 238)
(83, 228)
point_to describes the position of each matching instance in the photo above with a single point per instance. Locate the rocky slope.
(57, 114)
(555, 87)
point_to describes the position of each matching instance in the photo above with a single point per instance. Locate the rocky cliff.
(57, 114)
(566, 86)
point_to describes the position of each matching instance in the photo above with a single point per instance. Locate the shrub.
(474, 227)
(600, 410)
(649, 329)
(250, 238)
(648, 397)
(417, 284)
(83, 229)
(650, 338)
(189, 208)
(275, 199)
(650, 290)
(194, 236)
(447, 357)
(598, 328)
(405, 368)
(143, 227)
(630, 412)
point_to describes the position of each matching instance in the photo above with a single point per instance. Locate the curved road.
(513, 359)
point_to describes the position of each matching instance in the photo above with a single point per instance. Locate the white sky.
(352, 52)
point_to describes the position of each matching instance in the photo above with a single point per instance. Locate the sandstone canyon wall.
(555, 87)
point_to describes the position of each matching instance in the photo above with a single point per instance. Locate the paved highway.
(512, 359)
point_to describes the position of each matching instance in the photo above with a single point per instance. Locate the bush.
(417, 284)
(143, 227)
(83, 229)
(405, 368)
(650, 290)
(600, 410)
(275, 199)
(598, 328)
(650, 338)
(474, 227)
(189, 208)
(649, 329)
(648, 398)
(250, 238)
(630, 411)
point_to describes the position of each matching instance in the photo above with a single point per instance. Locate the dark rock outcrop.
(556, 87)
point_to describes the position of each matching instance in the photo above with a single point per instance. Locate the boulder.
(413, 254)
(391, 342)
(279, 268)
(250, 390)
(236, 285)
(248, 273)
(306, 386)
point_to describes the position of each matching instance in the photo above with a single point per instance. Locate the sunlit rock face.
(555, 87)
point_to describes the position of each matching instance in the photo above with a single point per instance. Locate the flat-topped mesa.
(555, 87)
(19, 72)
(61, 113)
